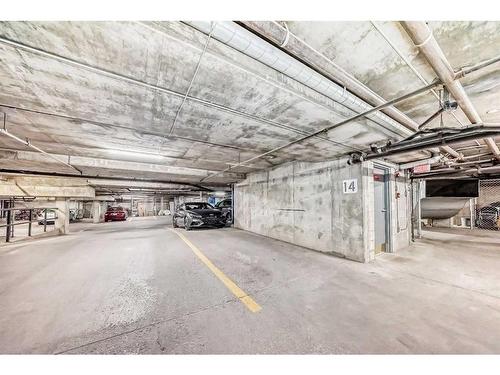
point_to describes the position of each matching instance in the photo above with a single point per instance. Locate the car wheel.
(229, 218)
(186, 224)
(174, 222)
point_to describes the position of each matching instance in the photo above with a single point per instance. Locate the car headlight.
(193, 216)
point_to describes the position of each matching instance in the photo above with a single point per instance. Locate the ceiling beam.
(65, 179)
(22, 46)
(118, 165)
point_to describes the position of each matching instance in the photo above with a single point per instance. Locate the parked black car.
(489, 217)
(196, 215)
(226, 207)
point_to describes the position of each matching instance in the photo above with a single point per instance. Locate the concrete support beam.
(83, 162)
(141, 184)
(62, 221)
(104, 198)
(44, 187)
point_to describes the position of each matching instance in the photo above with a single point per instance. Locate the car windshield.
(198, 206)
(224, 203)
(115, 209)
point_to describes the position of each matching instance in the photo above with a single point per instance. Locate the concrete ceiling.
(104, 96)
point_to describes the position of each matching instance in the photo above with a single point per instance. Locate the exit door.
(380, 191)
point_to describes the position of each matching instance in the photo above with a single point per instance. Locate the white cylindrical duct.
(251, 45)
(279, 33)
(422, 37)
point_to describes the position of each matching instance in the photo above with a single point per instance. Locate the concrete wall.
(304, 204)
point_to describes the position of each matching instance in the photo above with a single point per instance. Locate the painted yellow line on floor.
(235, 289)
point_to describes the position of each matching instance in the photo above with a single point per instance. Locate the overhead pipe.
(298, 48)
(422, 37)
(475, 156)
(417, 163)
(326, 129)
(443, 149)
(455, 172)
(469, 69)
(400, 99)
(445, 137)
(409, 64)
(451, 151)
(403, 56)
(30, 145)
(431, 117)
(244, 41)
(473, 162)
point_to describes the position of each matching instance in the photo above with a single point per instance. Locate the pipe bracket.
(431, 35)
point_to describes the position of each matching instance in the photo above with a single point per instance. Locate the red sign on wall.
(422, 168)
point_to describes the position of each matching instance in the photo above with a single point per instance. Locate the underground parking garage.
(249, 187)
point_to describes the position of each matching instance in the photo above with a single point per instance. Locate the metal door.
(380, 192)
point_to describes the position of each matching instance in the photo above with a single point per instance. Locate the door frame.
(388, 201)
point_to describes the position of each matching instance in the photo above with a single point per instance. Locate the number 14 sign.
(350, 186)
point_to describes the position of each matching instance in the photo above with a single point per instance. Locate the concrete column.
(97, 212)
(62, 221)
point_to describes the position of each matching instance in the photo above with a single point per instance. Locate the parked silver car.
(51, 216)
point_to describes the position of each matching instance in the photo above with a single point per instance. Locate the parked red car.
(115, 214)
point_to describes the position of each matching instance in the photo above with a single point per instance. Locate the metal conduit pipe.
(451, 151)
(475, 156)
(474, 162)
(462, 172)
(490, 142)
(412, 164)
(400, 99)
(242, 40)
(276, 33)
(409, 64)
(422, 37)
(326, 129)
(28, 144)
(446, 137)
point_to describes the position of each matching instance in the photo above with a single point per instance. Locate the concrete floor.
(136, 287)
